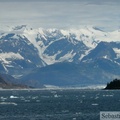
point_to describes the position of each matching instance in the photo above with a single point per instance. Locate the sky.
(61, 13)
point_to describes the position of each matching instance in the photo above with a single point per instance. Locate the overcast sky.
(61, 13)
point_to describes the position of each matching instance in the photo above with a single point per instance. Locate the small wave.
(56, 96)
(74, 118)
(83, 96)
(27, 100)
(37, 100)
(108, 95)
(3, 98)
(53, 92)
(8, 103)
(36, 97)
(96, 97)
(94, 104)
(65, 111)
(45, 96)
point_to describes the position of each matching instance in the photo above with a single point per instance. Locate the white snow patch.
(10, 55)
(17, 76)
(31, 35)
(82, 55)
(117, 51)
(29, 61)
(86, 53)
(9, 66)
(65, 32)
(106, 57)
(51, 59)
(5, 67)
(69, 56)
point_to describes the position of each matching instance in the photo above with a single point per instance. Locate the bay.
(69, 104)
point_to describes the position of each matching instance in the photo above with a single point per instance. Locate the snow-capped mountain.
(23, 49)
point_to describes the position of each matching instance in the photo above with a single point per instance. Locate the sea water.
(72, 104)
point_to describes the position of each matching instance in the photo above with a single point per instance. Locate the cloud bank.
(61, 13)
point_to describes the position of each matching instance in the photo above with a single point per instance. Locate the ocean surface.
(74, 104)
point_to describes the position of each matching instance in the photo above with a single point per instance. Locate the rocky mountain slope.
(6, 82)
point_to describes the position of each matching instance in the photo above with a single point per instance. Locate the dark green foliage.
(115, 84)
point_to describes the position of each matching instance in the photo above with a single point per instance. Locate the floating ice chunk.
(3, 98)
(94, 104)
(56, 96)
(78, 113)
(27, 100)
(13, 97)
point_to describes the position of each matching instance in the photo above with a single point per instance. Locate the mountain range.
(59, 57)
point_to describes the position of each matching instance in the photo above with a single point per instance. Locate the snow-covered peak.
(89, 32)
(89, 35)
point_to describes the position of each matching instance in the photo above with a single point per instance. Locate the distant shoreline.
(62, 88)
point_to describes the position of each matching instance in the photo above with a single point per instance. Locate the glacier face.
(23, 49)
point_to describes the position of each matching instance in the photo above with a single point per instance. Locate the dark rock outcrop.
(115, 84)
